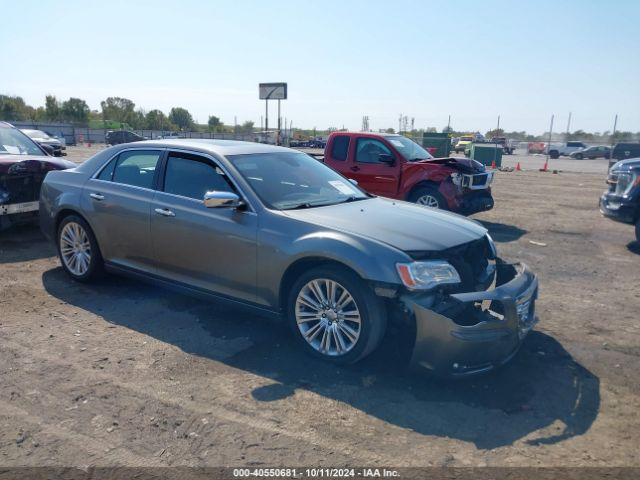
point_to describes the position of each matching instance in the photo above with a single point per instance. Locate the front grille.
(21, 187)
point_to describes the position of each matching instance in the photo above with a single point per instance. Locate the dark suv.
(621, 201)
(122, 136)
(624, 151)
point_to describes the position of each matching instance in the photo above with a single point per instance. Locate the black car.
(624, 151)
(621, 201)
(117, 137)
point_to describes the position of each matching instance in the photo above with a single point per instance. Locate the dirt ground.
(123, 373)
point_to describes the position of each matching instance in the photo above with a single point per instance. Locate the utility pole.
(568, 125)
(400, 123)
(549, 143)
(613, 135)
(449, 125)
(279, 125)
(495, 150)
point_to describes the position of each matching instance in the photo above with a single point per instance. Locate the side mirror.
(354, 182)
(386, 158)
(47, 148)
(217, 199)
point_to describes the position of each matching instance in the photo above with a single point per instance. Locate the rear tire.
(78, 249)
(429, 197)
(335, 315)
(554, 154)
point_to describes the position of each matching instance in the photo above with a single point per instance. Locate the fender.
(357, 253)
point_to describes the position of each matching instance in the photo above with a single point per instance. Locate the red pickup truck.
(393, 166)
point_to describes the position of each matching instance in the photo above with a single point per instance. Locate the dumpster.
(486, 153)
(438, 144)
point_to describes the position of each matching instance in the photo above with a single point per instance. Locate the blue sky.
(523, 60)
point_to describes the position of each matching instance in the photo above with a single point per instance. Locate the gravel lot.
(123, 373)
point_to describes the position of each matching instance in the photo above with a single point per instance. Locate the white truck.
(558, 149)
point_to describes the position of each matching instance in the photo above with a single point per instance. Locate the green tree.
(119, 110)
(51, 108)
(390, 130)
(156, 120)
(496, 132)
(247, 127)
(75, 110)
(214, 123)
(13, 108)
(181, 118)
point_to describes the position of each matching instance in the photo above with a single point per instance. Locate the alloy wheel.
(328, 317)
(75, 248)
(428, 201)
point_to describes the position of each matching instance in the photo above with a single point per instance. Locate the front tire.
(428, 197)
(335, 315)
(78, 249)
(578, 156)
(554, 154)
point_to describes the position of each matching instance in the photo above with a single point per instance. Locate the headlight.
(625, 182)
(428, 274)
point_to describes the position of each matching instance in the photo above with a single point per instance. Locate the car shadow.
(543, 395)
(24, 243)
(634, 247)
(501, 232)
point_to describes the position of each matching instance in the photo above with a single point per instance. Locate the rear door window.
(136, 168)
(340, 148)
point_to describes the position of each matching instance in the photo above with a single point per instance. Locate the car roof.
(220, 147)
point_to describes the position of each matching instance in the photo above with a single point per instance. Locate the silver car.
(275, 230)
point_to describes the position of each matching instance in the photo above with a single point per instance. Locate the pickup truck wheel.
(335, 315)
(78, 249)
(554, 154)
(428, 197)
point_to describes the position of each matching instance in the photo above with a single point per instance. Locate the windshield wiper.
(300, 206)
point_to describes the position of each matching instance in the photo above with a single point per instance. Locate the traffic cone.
(518, 169)
(546, 166)
(493, 165)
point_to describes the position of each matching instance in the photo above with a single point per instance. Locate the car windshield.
(409, 149)
(14, 142)
(36, 133)
(290, 180)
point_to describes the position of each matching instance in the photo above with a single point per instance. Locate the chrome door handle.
(165, 211)
(96, 196)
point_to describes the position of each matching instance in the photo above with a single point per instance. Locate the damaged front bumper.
(474, 332)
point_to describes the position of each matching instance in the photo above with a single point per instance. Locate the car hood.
(626, 165)
(32, 163)
(405, 226)
(464, 165)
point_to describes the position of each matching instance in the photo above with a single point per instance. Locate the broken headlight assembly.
(427, 275)
(625, 182)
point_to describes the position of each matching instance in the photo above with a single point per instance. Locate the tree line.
(115, 112)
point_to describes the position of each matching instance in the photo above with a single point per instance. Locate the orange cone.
(518, 169)
(546, 167)
(493, 165)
